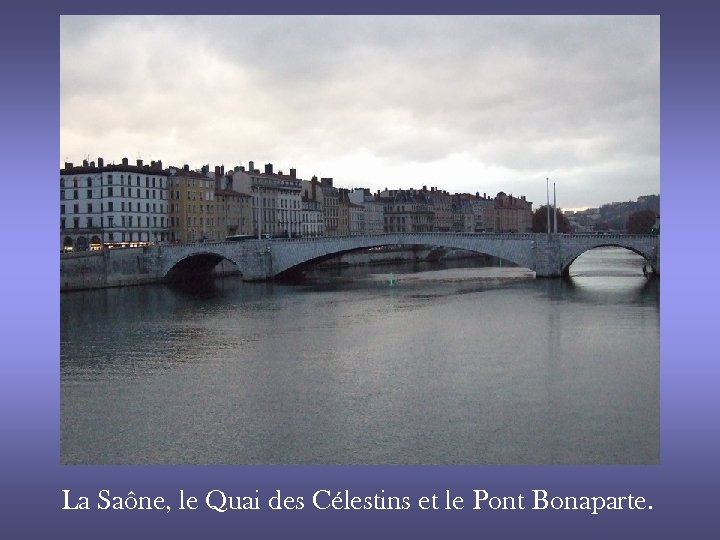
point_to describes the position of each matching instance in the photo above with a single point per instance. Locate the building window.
(110, 206)
(62, 208)
(147, 182)
(76, 223)
(109, 179)
(110, 192)
(89, 208)
(153, 182)
(138, 194)
(110, 221)
(122, 206)
(75, 194)
(89, 182)
(76, 208)
(62, 194)
(62, 224)
(89, 223)
(62, 182)
(147, 193)
(89, 193)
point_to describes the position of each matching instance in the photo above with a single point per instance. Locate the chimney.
(139, 162)
(159, 164)
(484, 195)
(186, 168)
(92, 164)
(85, 162)
(68, 165)
(251, 167)
(222, 170)
(424, 188)
(217, 171)
(268, 168)
(152, 164)
(205, 169)
(292, 173)
(124, 161)
(101, 162)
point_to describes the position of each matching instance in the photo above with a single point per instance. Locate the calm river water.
(446, 365)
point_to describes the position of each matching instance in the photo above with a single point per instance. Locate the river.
(423, 363)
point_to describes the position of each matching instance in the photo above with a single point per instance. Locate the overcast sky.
(467, 104)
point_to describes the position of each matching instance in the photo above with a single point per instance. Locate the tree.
(641, 222)
(539, 223)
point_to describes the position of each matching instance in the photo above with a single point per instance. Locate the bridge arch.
(639, 246)
(516, 248)
(197, 264)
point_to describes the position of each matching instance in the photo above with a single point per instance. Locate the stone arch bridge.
(549, 255)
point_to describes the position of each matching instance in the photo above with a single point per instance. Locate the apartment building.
(407, 210)
(509, 214)
(276, 199)
(312, 208)
(113, 205)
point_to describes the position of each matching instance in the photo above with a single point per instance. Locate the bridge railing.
(488, 235)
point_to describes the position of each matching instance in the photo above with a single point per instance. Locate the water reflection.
(448, 365)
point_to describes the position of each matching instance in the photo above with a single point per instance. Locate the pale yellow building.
(234, 212)
(192, 207)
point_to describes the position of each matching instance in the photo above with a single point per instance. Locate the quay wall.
(106, 268)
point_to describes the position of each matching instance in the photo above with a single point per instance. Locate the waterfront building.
(462, 212)
(193, 212)
(276, 199)
(356, 216)
(482, 215)
(509, 214)
(343, 212)
(373, 210)
(234, 212)
(116, 205)
(331, 212)
(442, 208)
(312, 208)
(407, 210)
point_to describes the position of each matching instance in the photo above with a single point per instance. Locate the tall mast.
(547, 189)
(555, 207)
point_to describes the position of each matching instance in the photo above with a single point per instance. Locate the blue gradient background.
(682, 489)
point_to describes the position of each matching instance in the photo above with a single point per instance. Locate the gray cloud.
(520, 98)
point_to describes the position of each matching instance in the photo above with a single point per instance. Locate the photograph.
(359, 239)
